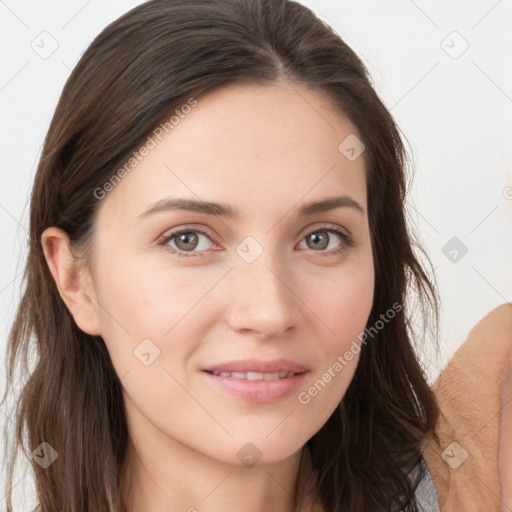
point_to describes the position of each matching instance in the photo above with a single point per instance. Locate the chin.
(261, 452)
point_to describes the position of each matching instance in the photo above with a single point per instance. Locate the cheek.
(344, 308)
(343, 305)
(139, 300)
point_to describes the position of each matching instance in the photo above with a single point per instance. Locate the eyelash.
(347, 240)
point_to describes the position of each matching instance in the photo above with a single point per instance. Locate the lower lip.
(261, 391)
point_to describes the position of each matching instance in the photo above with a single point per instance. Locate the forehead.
(244, 145)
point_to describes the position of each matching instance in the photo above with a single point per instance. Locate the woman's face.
(268, 292)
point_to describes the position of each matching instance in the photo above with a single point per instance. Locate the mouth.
(258, 381)
(255, 367)
(256, 375)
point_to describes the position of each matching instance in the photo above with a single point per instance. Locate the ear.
(73, 279)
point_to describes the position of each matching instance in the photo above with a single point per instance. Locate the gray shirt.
(426, 495)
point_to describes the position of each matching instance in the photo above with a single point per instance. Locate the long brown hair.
(142, 67)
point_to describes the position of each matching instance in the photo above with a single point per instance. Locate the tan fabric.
(463, 461)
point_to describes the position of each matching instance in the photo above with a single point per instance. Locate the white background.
(456, 114)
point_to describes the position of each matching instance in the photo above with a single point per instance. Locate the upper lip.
(254, 365)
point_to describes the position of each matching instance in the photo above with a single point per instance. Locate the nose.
(261, 299)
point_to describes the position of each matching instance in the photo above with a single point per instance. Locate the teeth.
(255, 375)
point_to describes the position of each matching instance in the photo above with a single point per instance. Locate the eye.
(186, 241)
(322, 238)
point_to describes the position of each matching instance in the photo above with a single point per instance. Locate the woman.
(218, 273)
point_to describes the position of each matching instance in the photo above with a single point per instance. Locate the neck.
(187, 481)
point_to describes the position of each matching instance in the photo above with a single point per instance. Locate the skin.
(266, 151)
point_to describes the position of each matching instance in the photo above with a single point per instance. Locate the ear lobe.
(72, 279)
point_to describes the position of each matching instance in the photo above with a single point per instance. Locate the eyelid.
(186, 227)
(326, 226)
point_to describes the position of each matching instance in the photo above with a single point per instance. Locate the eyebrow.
(227, 211)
